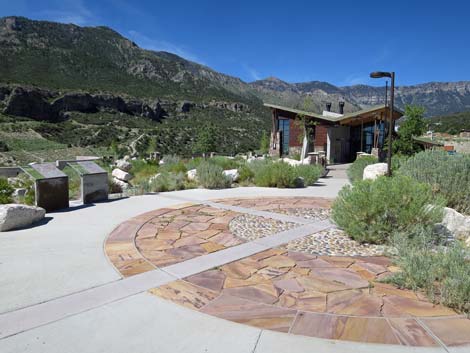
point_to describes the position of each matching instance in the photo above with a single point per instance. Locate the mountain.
(439, 98)
(69, 87)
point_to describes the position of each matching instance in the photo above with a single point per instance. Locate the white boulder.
(13, 216)
(121, 184)
(191, 174)
(373, 171)
(121, 175)
(292, 162)
(457, 224)
(232, 174)
(123, 165)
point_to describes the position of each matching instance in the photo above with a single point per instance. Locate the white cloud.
(161, 45)
(355, 79)
(253, 73)
(69, 12)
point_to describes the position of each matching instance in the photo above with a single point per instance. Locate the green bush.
(356, 169)
(224, 162)
(397, 161)
(168, 182)
(277, 174)
(371, 211)
(245, 174)
(5, 192)
(448, 175)
(211, 176)
(194, 163)
(443, 273)
(310, 173)
(25, 182)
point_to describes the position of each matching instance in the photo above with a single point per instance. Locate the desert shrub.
(22, 181)
(356, 169)
(212, 176)
(443, 273)
(245, 174)
(448, 175)
(224, 162)
(167, 182)
(142, 170)
(372, 210)
(397, 161)
(310, 173)
(169, 159)
(5, 192)
(277, 174)
(194, 163)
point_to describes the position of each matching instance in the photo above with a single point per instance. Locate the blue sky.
(335, 41)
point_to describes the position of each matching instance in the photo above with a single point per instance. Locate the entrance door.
(283, 127)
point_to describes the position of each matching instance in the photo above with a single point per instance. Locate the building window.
(283, 128)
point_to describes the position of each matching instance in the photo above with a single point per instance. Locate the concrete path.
(57, 262)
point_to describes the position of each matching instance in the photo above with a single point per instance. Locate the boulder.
(299, 182)
(457, 224)
(232, 174)
(121, 175)
(14, 216)
(191, 174)
(291, 162)
(373, 171)
(123, 165)
(121, 184)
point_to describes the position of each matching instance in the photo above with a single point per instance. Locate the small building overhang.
(378, 112)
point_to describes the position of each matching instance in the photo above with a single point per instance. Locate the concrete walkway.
(44, 268)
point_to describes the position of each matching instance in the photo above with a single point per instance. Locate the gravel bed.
(334, 242)
(249, 227)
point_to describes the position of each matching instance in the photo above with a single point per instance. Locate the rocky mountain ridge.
(66, 57)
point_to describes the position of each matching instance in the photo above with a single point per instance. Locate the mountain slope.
(62, 56)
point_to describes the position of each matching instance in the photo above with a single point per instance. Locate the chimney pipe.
(341, 107)
(328, 107)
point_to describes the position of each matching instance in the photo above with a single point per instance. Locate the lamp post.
(391, 75)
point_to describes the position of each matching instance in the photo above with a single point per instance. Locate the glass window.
(283, 127)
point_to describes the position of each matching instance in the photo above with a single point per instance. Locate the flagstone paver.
(298, 288)
(329, 301)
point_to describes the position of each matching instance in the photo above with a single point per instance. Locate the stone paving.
(282, 289)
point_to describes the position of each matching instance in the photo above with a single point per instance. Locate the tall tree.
(205, 140)
(414, 125)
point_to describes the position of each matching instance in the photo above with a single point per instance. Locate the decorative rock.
(299, 182)
(232, 174)
(121, 175)
(191, 174)
(13, 216)
(123, 165)
(291, 162)
(457, 224)
(122, 184)
(373, 171)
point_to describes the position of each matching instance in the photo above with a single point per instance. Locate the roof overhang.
(378, 112)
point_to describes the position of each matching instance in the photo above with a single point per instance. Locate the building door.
(283, 128)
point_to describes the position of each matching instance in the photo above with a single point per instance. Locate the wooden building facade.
(339, 136)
